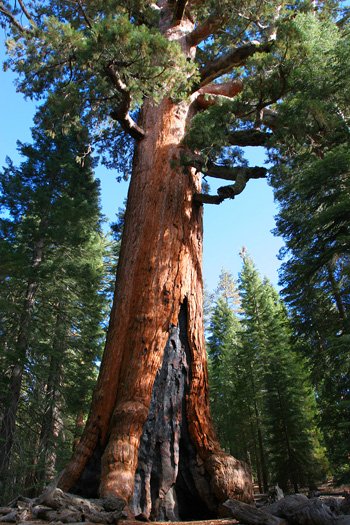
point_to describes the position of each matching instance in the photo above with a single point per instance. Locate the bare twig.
(82, 10)
(11, 17)
(26, 13)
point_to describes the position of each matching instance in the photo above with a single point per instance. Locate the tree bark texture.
(150, 412)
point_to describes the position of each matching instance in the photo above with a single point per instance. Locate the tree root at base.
(56, 506)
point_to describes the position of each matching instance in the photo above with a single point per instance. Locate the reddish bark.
(160, 271)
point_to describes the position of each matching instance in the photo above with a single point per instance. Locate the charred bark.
(149, 438)
(168, 475)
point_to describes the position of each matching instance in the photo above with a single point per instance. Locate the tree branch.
(249, 137)
(241, 176)
(204, 30)
(203, 198)
(11, 17)
(86, 18)
(208, 94)
(180, 10)
(341, 23)
(121, 113)
(269, 118)
(233, 173)
(234, 58)
(26, 13)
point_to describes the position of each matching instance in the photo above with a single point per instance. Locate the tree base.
(57, 506)
(173, 480)
(171, 483)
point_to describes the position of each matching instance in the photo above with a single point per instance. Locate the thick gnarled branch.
(241, 175)
(202, 31)
(235, 58)
(233, 173)
(208, 94)
(249, 137)
(121, 113)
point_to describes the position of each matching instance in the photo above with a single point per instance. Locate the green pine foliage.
(52, 246)
(261, 388)
(311, 182)
(69, 61)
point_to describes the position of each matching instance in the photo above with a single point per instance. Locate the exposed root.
(58, 506)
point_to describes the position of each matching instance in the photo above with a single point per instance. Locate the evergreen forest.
(103, 379)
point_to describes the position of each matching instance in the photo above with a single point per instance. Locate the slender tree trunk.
(51, 423)
(8, 425)
(79, 427)
(262, 459)
(337, 294)
(293, 478)
(255, 450)
(149, 438)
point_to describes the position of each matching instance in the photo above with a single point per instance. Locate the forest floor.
(328, 505)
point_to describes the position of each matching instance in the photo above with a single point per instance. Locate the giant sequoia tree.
(143, 73)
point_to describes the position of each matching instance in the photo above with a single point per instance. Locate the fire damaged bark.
(149, 438)
(168, 481)
(159, 270)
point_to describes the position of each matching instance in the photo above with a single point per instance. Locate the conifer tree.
(166, 64)
(221, 343)
(229, 393)
(311, 181)
(259, 380)
(255, 338)
(296, 455)
(52, 271)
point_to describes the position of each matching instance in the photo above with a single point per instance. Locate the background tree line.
(262, 396)
(57, 274)
(310, 175)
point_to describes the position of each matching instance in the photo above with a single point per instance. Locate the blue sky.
(246, 221)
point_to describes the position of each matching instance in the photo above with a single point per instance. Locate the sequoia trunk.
(159, 276)
(149, 437)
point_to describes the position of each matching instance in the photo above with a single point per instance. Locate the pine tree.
(52, 271)
(221, 343)
(255, 346)
(311, 181)
(296, 455)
